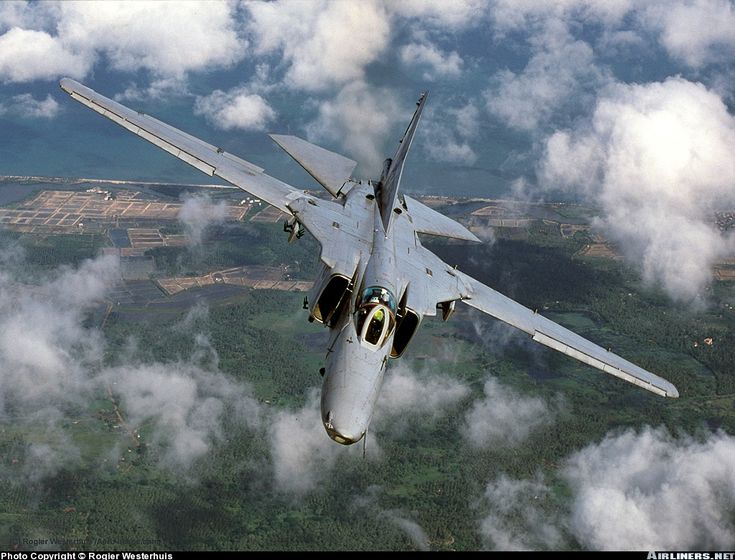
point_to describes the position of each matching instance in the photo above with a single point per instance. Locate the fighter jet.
(376, 282)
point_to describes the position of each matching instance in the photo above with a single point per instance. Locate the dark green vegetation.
(237, 245)
(42, 252)
(426, 471)
(252, 336)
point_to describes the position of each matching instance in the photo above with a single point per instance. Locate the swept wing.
(445, 283)
(557, 337)
(205, 157)
(343, 238)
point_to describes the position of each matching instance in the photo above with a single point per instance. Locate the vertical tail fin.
(387, 190)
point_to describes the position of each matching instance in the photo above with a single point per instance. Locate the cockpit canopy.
(375, 318)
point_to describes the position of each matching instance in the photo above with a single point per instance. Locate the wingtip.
(668, 390)
(279, 139)
(67, 84)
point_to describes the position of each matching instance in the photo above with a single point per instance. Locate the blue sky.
(624, 105)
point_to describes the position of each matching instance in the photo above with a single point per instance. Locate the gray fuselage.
(355, 367)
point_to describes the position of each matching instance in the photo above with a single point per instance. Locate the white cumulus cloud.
(437, 63)
(558, 72)
(656, 158)
(516, 520)
(425, 392)
(696, 32)
(26, 105)
(26, 54)
(157, 88)
(52, 365)
(634, 490)
(237, 108)
(449, 132)
(197, 213)
(302, 453)
(369, 503)
(186, 404)
(693, 32)
(503, 417)
(164, 38)
(521, 14)
(359, 117)
(441, 14)
(324, 43)
(651, 491)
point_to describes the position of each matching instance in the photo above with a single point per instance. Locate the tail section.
(387, 189)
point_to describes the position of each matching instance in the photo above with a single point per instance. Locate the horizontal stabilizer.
(331, 170)
(431, 222)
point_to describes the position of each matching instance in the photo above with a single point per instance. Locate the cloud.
(511, 15)
(27, 55)
(164, 38)
(438, 13)
(302, 453)
(43, 346)
(197, 213)
(24, 14)
(453, 151)
(53, 451)
(517, 519)
(414, 531)
(236, 108)
(52, 366)
(695, 32)
(427, 55)
(359, 117)
(369, 502)
(621, 44)
(560, 71)
(656, 158)
(448, 133)
(47, 356)
(406, 392)
(323, 43)
(186, 405)
(26, 105)
(650, 491)
(634, 490)
(158, 88)
(503, 417)
(411, 398)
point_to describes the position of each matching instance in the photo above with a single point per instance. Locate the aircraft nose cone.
(342, 434)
